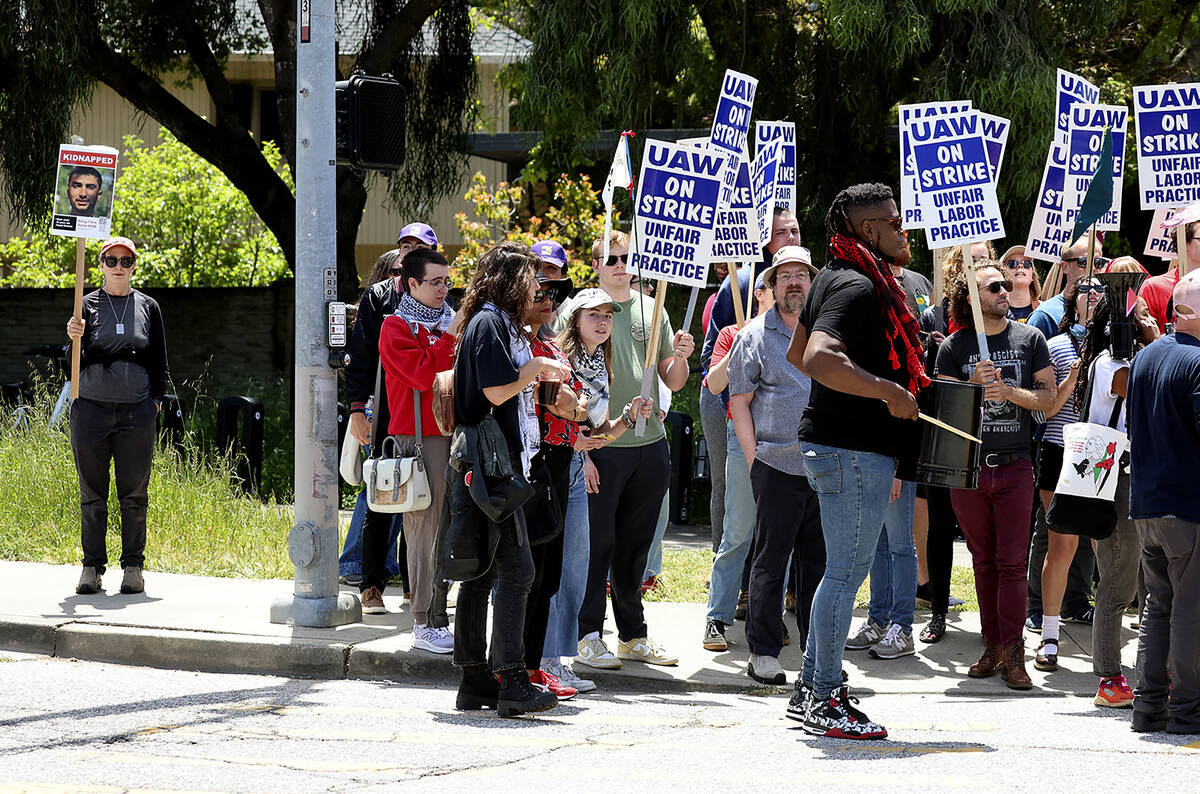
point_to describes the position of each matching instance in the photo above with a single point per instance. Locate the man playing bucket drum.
(858, 342)
(1018, 379)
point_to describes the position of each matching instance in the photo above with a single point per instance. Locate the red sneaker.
(1114, 693)
(548, 682)
(651, 583)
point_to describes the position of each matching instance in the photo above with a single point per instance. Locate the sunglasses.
(541, 295)
(895, 222)
(1099, 262)
(1087, 289)
(111, 261)
(638, 283)
(1020, 264)
(613, 259)
(996, 286)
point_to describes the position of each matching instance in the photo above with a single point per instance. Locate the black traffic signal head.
(370, 122)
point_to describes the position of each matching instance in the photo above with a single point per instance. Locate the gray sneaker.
(895, 643)
(89, 581)
(765, 670)
(867, 635)
(132, 582)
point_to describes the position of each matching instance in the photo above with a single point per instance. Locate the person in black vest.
(122, 377)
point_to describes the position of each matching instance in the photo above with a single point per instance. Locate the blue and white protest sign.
(735, 237)
(785, 180)
(958, 196)
(677, 200)
(1069, 89)
(1048, 232)
(995, 137)
(1168, 144)
(763, 175)
(1160, 242)
(910, 206)
(1085, 136)
(731, 126)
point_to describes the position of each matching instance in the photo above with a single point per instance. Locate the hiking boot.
(743, 606)
(800, 702)
(594, 653)
(1148, 721)
(934, 629)
(132, 581)
(518, 696)
(1044, 660)
(867, 635)
(548, 682)
(372, 602)
(564, 673)
(896, 642)
(1012, 667)
(89, 581)
(643, 649)
(765, 669)
(1114, 693)
(837, 718)
(477, 690)
(714, 636)
(434, 640)
(988, 664)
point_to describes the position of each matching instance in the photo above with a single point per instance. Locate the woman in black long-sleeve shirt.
(122, 378)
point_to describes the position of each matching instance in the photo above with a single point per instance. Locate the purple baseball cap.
(421, 231)
(550, 251)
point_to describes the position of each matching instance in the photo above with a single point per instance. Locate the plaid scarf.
(904, 346)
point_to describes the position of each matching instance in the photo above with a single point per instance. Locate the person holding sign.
(994, 518)
(633, 473)
(859, 344)
(1164, 403)
(123, 375)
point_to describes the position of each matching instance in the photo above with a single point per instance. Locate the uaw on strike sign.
(1168, 144)
(678, 192)
(957, 191)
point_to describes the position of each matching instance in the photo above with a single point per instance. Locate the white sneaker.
(643, 649)
(867, 635)
(765, 669)
(594, 653)
(896, 642)
(568, 677)
(426, 638)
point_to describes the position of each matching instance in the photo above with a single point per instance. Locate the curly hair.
(502, 277)
(959, 294)
(381, 270)
(865, 194)
(952, 264)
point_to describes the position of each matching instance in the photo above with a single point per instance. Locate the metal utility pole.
(313, 542)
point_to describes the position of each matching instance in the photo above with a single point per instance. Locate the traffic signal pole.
(313, 541)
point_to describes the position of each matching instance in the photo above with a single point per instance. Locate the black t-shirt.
(1020, 313)
(484, 360)
(1017, 352)
(843, 304)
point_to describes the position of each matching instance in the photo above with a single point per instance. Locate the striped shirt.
(1062, 355)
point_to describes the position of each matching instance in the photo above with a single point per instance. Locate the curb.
(28, 636)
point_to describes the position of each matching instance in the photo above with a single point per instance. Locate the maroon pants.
(995, 521)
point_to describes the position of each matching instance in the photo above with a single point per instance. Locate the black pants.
(939, 546)
(122, 434)
(622, 519)
(547, 556)
(1079, 575)
(787, 525)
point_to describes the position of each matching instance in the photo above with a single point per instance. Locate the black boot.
(517, 695)
(478, 690)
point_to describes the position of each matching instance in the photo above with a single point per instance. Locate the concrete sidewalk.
(221, 625)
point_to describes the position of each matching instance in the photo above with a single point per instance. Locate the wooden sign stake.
(1181, 249)
(76, 346)
(738, 312)
(650, 373)
(976, 308)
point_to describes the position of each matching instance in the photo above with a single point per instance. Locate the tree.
(53, 53)
(839, 68)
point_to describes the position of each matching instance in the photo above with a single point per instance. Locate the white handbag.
(350, 464)
(398, 484)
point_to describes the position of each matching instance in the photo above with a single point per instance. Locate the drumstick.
(950, 428)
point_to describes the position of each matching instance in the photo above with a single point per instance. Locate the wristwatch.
(625, 416)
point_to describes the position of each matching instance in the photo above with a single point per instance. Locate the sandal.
(934, 629)
(1046, 662)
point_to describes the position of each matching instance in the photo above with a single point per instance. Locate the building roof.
(491, 42)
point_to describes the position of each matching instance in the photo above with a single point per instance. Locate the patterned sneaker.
(372, 602)
(438, 640)
(896, 642)
(1114, 692)
(545, 682)
(594, 653)
(714, 636)
(800, 702)
(564, 673)
(643, 649)
(867, 635)
(837, 718)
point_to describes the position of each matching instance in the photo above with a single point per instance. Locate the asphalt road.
(90, 727)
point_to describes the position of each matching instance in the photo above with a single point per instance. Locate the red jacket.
(411, 363)
(1157, 291)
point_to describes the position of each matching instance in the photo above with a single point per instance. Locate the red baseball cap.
(113, 242)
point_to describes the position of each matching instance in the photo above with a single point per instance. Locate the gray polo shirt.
(758, 363)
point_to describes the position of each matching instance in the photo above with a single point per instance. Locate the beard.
(793, 302)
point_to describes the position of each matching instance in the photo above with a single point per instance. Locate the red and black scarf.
(904, 345)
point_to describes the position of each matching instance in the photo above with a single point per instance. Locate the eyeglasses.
(896, 222)
(613, 259)
(437, 283)
(541, 295)
(996, 286)
(1020, 264)
(784, 278)
(111, 261)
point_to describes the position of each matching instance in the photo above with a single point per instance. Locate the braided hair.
(865, 194)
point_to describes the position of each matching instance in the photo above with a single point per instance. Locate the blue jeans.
(894, 572)
(735, 539)
(853, 489)
(350, 563)
(654, 561)
(562, 630)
